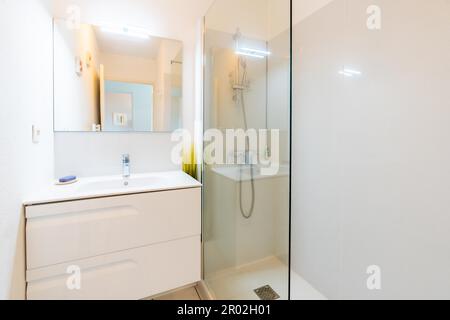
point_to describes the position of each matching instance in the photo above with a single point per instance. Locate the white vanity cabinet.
(117, 247)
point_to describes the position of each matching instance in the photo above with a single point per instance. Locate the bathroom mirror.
(115, 79)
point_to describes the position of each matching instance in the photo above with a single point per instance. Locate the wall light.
(249, 54)
(127, 31)
(254, 53)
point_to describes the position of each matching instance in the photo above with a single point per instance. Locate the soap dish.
(66, 183)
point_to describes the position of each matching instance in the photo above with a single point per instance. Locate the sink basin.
(120, 183)
(87, 188)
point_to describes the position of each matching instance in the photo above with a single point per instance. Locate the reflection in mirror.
(115, 79)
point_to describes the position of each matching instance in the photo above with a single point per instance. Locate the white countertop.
(97, 187)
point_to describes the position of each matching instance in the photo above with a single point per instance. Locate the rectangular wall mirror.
(115, 79)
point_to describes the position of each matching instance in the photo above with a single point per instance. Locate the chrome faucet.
(126, 165)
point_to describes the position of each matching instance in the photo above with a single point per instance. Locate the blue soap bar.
(67, 179)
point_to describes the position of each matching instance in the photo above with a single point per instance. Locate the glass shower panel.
(371, 111)
(246, 177)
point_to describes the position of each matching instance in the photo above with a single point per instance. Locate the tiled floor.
(189, 294)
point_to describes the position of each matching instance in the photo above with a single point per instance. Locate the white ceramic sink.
(96, 187)
(119, 183)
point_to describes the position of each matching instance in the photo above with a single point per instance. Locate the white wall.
(26, 99)
(157, 72)
(250, 16)
(128, 68)
(278, 93)
(168, 51)
(278, 17)
(302, 9)
(371, 157)
(230, 240)
(192, 82)
(93, 154)
(222, 63)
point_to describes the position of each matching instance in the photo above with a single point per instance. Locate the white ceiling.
(163, 18)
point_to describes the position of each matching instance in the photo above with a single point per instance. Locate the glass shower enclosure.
(246, 172)
(369, 216)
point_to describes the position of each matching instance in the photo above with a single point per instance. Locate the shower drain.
(267, 293)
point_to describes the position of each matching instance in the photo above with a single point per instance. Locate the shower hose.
(246, 214)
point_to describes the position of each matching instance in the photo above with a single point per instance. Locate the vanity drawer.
(129, 275)
(70, 231)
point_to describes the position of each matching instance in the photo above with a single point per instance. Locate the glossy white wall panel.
(371, 160)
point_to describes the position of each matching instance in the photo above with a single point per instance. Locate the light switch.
(36, 134)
